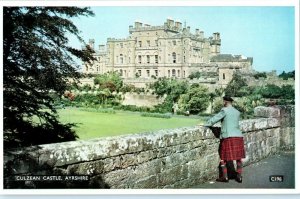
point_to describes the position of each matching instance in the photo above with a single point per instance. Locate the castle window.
(184, 73)
(121, 45)
(148, 59)
(97, 68)
(178, 73)
(121, 72)
(173, 73)
(156, 73)
(148, 73)
(169, 73)
(174, 43)
(156, 42)
(174, 57)
(156, 59)
(140, 59)
(148, 43)
(121, 59)
(140, 43)
(223, 75)
(183, 59)
(139, 72)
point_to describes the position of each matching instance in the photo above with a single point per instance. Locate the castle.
(170, 50)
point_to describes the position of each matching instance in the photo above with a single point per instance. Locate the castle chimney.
(197, 32)
(91, 43)
(138, 24)
(188, 29)
(216, 36)
(101, 48)
(170, 22)
(201, 34)
(178, 25)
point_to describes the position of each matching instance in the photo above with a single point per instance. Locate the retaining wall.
(177, 158)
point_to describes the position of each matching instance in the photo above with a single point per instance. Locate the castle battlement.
(169, 50)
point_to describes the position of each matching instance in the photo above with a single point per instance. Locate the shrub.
(158, 115)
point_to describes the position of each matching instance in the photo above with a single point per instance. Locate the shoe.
(222, 179)
(239, 179)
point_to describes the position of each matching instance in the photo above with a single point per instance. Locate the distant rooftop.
(229, 58)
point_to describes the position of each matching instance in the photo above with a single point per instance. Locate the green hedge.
(158, 115)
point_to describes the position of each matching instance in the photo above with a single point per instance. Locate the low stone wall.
(177, 158)
(147, 99)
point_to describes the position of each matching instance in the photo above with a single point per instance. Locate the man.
(232, 141)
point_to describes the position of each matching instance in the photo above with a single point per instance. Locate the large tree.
(38, 60)
(196, 100)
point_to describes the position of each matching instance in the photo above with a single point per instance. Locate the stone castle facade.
(170, 50)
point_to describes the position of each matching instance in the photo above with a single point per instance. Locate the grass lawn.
(95, 124)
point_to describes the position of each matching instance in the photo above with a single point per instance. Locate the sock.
(239, 167)
(224, 168)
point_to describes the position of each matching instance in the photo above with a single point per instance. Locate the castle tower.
(215, 44)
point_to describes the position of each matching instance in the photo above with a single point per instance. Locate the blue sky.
(266, 33)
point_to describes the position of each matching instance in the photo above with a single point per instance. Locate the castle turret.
(215, 44)
(92, 43)
(101, 48)
(170, 22)
(138, 24)
(178, 25)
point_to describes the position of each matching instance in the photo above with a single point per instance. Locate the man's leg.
(239, 170)
(224, 171)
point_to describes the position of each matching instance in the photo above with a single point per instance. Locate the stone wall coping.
(66, 153)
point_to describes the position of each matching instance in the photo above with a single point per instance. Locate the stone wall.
(143, 99)
(177, 158)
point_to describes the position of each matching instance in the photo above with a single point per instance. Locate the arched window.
(223, 75)
(174, 57)
(173, 73)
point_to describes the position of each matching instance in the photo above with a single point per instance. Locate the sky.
(266, 33)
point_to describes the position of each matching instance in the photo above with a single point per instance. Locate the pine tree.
(38, 60)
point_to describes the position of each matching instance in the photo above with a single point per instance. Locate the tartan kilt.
(232, 148)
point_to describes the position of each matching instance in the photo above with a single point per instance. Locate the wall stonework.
(176, 158)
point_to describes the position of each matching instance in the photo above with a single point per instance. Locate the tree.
(236, 86)
(37, 59)
(285, 75)
(111, 81)
(195, 100)
(212, 97)
(172, 88)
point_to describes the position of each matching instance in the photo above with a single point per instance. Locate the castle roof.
(229, 58)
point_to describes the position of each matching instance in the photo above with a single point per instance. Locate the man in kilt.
(231, 138)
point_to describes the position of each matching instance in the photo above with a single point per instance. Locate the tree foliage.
(287, 75)
(172, 87)
(195, 100)
(37, 59)
(111, 81)
(260, 75)
(277, 92)
(236, 86)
